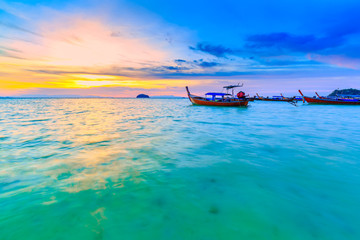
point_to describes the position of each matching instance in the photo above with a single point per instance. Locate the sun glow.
(145, 84)
(93, 76)
(96, 83)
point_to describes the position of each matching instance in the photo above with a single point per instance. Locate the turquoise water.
(164, 169)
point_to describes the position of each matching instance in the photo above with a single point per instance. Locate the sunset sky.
(123, 48)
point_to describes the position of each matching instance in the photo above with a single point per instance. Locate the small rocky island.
(345, 92)
(142, 96)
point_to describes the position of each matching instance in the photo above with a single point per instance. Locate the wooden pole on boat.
(188, 92)
(302, 96)
(317, 95)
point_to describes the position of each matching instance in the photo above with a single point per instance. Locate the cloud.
(10, 53)
(196, 63)
(337, 60)
(179, 61)
(174, 68)
(291, 50)
(19, 28)
(288, 62)
(215, 50)
(288, 42)
(208, 64)
(76, 44)
(73, 44)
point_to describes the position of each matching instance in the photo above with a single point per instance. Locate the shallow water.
(164, 169)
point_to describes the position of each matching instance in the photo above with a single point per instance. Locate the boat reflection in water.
(221, 99)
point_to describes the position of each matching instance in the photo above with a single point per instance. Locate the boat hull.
(199, 101)
(330, 101)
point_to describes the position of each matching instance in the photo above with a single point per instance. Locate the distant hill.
(142, 96)
(347, 92)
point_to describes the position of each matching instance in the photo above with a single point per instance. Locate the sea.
(165, 169)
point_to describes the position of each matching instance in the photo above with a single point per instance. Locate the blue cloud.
(290, 42)
(173, 68)
(179, 61)
(208, 64)
(216, 50)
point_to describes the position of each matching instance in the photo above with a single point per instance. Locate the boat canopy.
(217, 94)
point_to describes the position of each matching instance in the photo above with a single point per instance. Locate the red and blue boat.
(220, 99)
(330, 101)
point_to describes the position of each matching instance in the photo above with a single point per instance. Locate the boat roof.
(216, 94)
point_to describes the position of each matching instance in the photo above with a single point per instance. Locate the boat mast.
(232, 88)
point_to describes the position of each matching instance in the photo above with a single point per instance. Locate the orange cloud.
(82, 42)
(75, 45)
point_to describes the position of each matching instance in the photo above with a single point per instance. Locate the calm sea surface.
(164, 169)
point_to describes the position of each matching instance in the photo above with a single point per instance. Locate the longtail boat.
(278, 99)
(330, 101)
(219, 99)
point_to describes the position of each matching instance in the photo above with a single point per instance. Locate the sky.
(123, 48)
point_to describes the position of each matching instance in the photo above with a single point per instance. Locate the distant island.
(142, 96)
(345, 92)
